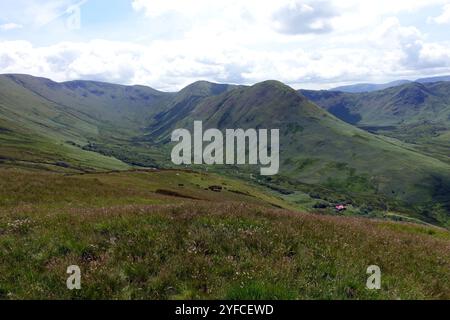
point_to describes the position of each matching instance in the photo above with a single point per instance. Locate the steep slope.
(319, 149)
(107, 105)
(416, 113)
(183, 103)
(77, 125)
(38, 131)
(87, 119)
(408, 104)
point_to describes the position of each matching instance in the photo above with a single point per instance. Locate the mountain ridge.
(416, 113)
(371, 87)
(128, 127)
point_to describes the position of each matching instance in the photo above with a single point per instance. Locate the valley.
(86, 179)
(84, 126)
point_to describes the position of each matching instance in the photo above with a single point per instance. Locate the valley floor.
(172, 235)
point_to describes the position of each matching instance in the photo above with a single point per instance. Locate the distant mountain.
(370, 87)
(433, 79)
(90, 126)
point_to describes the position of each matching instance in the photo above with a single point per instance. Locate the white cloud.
(408, 48)
(391, 51)
(286, 16)
(443, 18)
(354, 14)
(303, 43)
(10, 26)
(299, 17)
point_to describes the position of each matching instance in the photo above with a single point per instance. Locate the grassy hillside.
(416, 113)
(132, 234)
(85, 126)
(48, 123)
(107, 120)
(318, 149)
(402, 105)
(183, 103)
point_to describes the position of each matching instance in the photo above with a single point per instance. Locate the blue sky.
(168, 44)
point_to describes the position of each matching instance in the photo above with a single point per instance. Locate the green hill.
(319, 149)
(183, 103)
(81, 125)
(85, 126)
(416, 113)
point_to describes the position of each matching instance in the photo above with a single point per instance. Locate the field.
(166, 234)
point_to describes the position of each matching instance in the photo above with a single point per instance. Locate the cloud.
(393, 50)
(407, 47)
(10, 26)
(302, 43)
(443, 18)
(286, 16)
(298, 17)
(406, 41)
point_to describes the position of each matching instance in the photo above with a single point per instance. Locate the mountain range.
(328, 151)
(370, 87)
(416, 113)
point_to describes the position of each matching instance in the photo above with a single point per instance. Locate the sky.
(168, 44)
